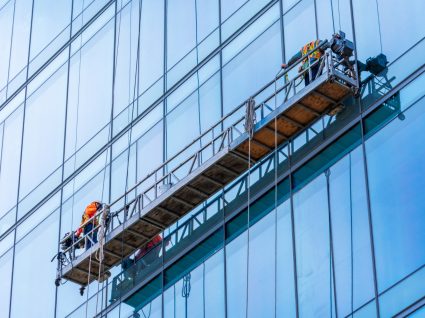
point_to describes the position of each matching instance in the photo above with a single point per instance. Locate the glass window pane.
(404, 294)
(229, 7)
(351, 238)
(5, 278)
(313, 249)
(237, 12)
(207, 17)
(33, 271)
(186, 112)
(49, 19)
(368, 311)
(152, 42)
(210, 102)
(6, 19)
(397, 179)
(236, 257)
(367, 34)
(181, 29)
(47, 103)
(261, 284)
(214, 286)
(195, 298)
(151, 310)
(20, 40)
(11, 153)
(169, 296)
(126, 57)
(150, 151)
(90, 94)
(397, 33)
(285, 279)
(259, 63)
(299, 27)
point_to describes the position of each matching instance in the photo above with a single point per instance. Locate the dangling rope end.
(250, 117)
(101, 236)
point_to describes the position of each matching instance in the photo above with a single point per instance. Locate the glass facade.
(94, 95)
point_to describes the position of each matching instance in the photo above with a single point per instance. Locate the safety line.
(339, 15)
(276, 160)
(351, 231)
(379, 24)
(332, 12)
(251, 132)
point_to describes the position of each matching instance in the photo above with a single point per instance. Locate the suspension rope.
(106, 212)
(76, 132)
(276, 160)
(135, 93)
(135, 88)
(379, 24)
(101, 231)
(250, 119)
(339, 15)
(351, 233)
(333, 18)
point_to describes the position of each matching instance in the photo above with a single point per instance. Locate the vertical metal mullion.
(20, 162)
(276, 158)
(369, 210)
(355, 44)
(294, 252)
(64, 141)
(2, 143)
(113, 97)
(332, 253)
(10, 48)
(316, 19)
(164, 89)
(282, 33)
(203, 288)
(23, 116)
(164, 149)
(220, 35)
(112, 122)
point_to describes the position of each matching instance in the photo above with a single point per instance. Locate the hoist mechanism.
(270, 117)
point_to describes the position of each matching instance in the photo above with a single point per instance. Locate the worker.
(147, 255)
(89, 227)
(314, 56)
(153, 247)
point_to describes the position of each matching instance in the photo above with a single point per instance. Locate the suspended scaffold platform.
(271, 116)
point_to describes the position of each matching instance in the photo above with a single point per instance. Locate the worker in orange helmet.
(89, 223)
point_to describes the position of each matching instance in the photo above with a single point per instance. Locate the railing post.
(156, 184)
(331, 65)
(213, 141)
(310, 74)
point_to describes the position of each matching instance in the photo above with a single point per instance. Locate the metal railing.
(212, 141)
